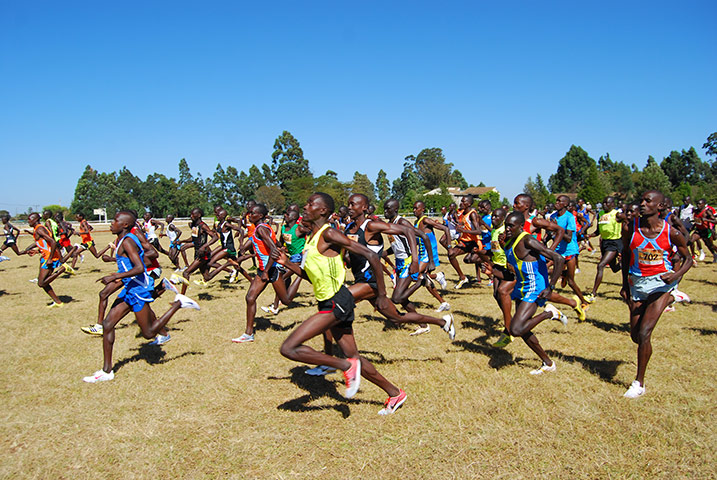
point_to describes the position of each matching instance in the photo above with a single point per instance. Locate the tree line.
(679, 174)
(287, 179)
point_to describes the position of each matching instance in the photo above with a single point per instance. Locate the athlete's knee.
(288, 350)
(517, 329)
(251, 297)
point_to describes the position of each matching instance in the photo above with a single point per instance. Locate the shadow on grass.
(607, 326)
(476, 322)
(66, 298)
(152, 354)
(604, 369)
(261, 323)
(380, 359)
(703, 331)
(497, 357)
(317, 387)
(4, 293)
(205, 296)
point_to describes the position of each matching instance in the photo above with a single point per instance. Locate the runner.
(426, 225)
(293, 238)
(10, 233)
(468, 244)
(503, 278)
(50, 266)
(85, 231)
(704, 222)
(648, 276)
(202, 250)
(610, 231)
(150, 226)
(136, 295)
(225, 230)
(527, 257)
(568, 245)
(323, 266)
(173, 233)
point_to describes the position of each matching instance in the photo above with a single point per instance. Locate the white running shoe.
(461, 283)
(169, 286)
(702, 257)
(244, 338)
(680, 296)
(441, 279)
(3, 258)
(577, 270)
(544, 369)
(33, 280)
(160, 339)
(82, 258)
(635, 390)
(233, 276)
(99, 376)
(421, 330)
(443, 307)
(186, 302)
(319, 371)
(450, 326)
(271, 309)
(556, 314)
(95, 329)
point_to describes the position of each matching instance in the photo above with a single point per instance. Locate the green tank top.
(55, 229)
(327, 274)
(498, 253)
(294, 244)
(609, 227)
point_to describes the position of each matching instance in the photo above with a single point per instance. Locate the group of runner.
(522, 253)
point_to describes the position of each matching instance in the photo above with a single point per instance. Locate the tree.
(288, 160)
(592, 189)
(537, 190)
(408, 181)
(457, 180)
(711, 145)
(185, 175)
(653, 178)
(362, 184)
(432, 169)
(573, 168)
(435, 202)
(383, 187)
(616, 177)
(271, 196)
(685, 166)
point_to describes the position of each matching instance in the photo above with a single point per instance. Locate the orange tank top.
(44, 247)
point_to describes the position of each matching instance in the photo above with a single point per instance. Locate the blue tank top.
(124, 264)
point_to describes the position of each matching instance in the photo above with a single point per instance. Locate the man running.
(202, 249)
(85, 231)
(568, 246)
(468, 226)
(136, 295)
(648, 277)
(610, 231)
(704, 222)
(323, 267)
(293, 237)
(50, 266)
(11, 233)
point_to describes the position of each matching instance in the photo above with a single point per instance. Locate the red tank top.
(650, 256)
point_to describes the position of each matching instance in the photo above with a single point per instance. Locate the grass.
(202, 407)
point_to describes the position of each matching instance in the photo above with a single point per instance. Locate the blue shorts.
(434, 248)
(402, 265)
(643, 287)
(136, 297)
(174, 245)
(296, 258)
(529, 291)
(44, 264)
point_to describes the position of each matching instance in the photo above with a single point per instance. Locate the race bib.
(287, 238)
(195, 231)
(649, 256)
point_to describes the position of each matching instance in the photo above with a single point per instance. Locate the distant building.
(457, 192)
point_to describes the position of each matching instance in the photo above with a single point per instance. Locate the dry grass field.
(202, 407)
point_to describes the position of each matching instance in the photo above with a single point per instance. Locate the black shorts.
(154, 242)
(273, 273)
(9, 241)
(341, 305)
(704, 232)
(203, 257)
(371, 282)
(611, 245)
(467, 246)
(508, 275)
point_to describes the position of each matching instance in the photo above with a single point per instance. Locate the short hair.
(262, 208)
(80, 214)
(33, 214)
(518, 216)
(418, 202)
(564, 198)
(523, 197)
(327, 200)
(5, 216)
(197, 209)
(470, 198)
(390, 201)
(486, 202)
(131, 213)
(499, 212)
(363, 197)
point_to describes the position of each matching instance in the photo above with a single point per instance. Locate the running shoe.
(460, 284)
(271, 309)
(579, 309)
(577, 270)
(33, 280)
(393, 280)
(702, 255)
(68, 269)
(489, 283)
(82, 258)
(55, 305)
(590, 298)
(177, 279)
(244, 338)
(669, 308)
(392, 403)
(635, 390)
(169, 286)
(556, 314)
(201, 283)
(680, 296)
(450, 326)
(420, 330)
(544, 369)
(441, 279)
(3, 258)
(95, 329)
(503, 341)
(186, 302)
(443, 307)
(353, 377)
(99, 376)
(319, 371)
(233, 276)
(160, 339)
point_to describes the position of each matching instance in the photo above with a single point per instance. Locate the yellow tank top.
(327, 274)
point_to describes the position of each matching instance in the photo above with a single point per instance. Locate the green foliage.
(685, 166)
(616, 177)
(573, 169)
(331, 185)
(272, 197)
(432, 169)
(711, 145)
(457, 180)
(362, 184)
(57, 208)
(407, 182)
(435, 202)
(592, 189)
(537, 190)
(288, 161)
(653, 178)
(383, 188)
(494, 198)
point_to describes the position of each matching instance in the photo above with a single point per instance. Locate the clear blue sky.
(504, 88)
